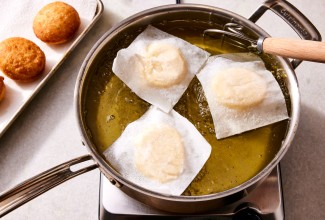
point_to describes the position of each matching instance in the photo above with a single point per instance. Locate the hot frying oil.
(111, 106)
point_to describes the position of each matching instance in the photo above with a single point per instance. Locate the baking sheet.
(18, 95)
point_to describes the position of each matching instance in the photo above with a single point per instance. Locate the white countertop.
(46, 133)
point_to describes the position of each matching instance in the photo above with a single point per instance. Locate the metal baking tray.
(12, 115)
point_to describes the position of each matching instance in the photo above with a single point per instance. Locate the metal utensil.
(290, 48)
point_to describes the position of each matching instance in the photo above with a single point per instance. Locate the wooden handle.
(298, 49)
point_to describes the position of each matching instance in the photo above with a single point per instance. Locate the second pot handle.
(292, 16)
(41, 183)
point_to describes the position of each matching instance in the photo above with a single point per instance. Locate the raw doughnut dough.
(162, 79)
(162, 152)
(159, 153)
(241, 93)
(239, 88)
(164, 65)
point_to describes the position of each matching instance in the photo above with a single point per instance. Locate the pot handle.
(41, 183)
(292, 16)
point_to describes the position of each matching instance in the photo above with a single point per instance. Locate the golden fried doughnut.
(21, 59)
(56, 23)
(2, 88)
